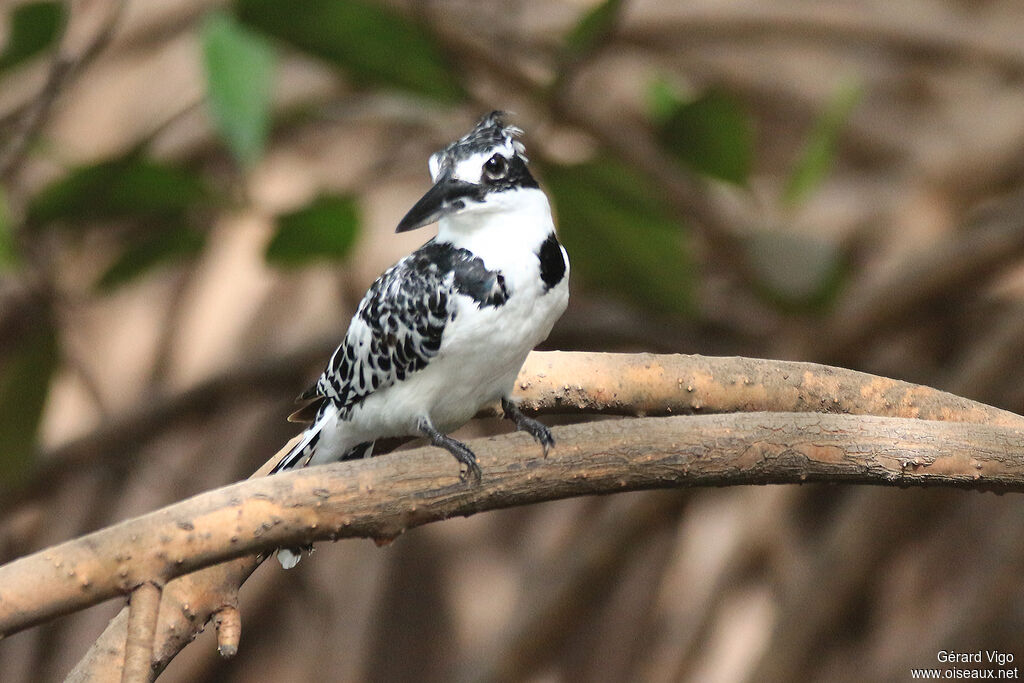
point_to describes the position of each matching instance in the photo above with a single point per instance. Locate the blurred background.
(194, 195)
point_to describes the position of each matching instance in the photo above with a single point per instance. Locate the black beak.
(446, 196)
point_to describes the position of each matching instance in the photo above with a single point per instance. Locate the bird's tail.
(300, 452)
(305, 452)
(305, 448)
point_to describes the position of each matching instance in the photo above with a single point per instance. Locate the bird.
(445, 331)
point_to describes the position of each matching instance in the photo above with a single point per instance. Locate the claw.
(534, 428)
(547, 441)
(459, 450)
(472, 469)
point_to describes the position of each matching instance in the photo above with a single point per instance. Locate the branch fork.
(772, 422)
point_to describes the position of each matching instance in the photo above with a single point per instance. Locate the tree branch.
(119, 438)
(612, 383)
(617, 384)
(69, 61)
(646, 384)
(992, 242)
(143, 607)
(381, 498)
(832, 26)
(633, 143)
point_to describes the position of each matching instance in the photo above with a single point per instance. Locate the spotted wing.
(399, 325)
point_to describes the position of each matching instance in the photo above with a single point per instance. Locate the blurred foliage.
(156, 198)
(795, 272)
(592, 28)
(929, 74)
(8, 251)
(324, 229)
(662, 99)
(621, 235)
(25, 374)
(129, 187)
(801, 272)
(820, 150)
(712, 133)
(152, 248)
(239, 73)
(34, 27)
(372, 43)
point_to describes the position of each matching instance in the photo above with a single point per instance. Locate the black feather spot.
(552, 263)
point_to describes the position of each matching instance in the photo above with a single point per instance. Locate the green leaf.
(34, 27)
(25, 375)
(374, 44)
(621, 237)
(662, 100)
(796, 272)
(129, 187)
(153, 249)
(239, 69)
(325, 229)
(819, 152)
(592, 28)
(8, 249)
(712, 134)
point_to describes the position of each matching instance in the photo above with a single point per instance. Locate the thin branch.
(143, 608)
(66, 65)
(586, 574)
(974, 255)
(831, 26)
(383, 497)
(631, 142)
(189, 602)
(229, 631)
(120, 438)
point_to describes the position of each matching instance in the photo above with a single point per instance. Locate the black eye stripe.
(514, 175)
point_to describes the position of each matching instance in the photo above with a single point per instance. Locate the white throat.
(503, 229)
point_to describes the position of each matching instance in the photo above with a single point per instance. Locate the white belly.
(481, 354)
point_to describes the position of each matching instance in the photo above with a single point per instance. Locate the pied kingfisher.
(445, 331)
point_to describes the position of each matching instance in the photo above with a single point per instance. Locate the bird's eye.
(496, 167)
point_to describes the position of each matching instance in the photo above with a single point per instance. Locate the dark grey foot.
(457, 448)
(534, 428)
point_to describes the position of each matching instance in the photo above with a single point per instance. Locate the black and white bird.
(445, 331)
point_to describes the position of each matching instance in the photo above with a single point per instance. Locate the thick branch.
(188, 604)
(614, 383)
(609, 383)
(644, 384)
(382, 497)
